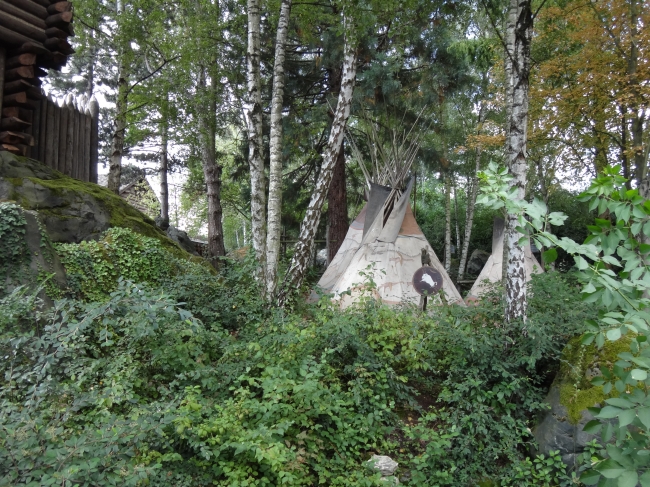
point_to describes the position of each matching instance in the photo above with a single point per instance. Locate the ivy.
(13, 250)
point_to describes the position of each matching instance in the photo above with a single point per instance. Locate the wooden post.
(55, 134)
(94, 139)
(83, 166)
(69, 137)
(3, 58)
(63, 131)
(49, 135)
(89, 123)
(75, 159)
(36, 129)
(42, 130)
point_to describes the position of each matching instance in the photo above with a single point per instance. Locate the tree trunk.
(456, 218)
(300, 261)
(3, 58)
(447, 221)
(275, 153)
(337, 208)
(253, 112)
(469, 213)
(519, 39)
(164, 188)
(211, 170)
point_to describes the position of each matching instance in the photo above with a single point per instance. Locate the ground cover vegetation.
(165, 383)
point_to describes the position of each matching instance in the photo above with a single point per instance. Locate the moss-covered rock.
(71, 210)
(572, 393)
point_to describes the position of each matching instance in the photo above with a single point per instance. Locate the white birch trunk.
(275, 153)
(253, 112)
(119, 127)
(447, 222)
(518, 39)
(300, 259)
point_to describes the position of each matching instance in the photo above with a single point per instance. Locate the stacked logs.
(33, 37)
(65, 133)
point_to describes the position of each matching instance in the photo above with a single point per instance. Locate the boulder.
(383, 464)
(561, 427)
(182, 239)
(477, 261)
(321, 258)
(70, 210)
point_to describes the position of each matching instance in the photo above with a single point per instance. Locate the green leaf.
(626, 417)
(608, 412)
(628, 479)
(610, 469)
(592, 427)
(645, 479)
(590, 477)
(644, 416)
(638, 374)
(613, 334)
(550, 256)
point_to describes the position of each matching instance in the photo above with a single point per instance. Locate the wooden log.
(21, 14)
(69, 150)
(63, 137)
(75, 158)
(11, 38)
(31, 47)
(15, 99)
(17, 149)
(33, 92)
(44, 3)
(49, 135)
(93, 106)
(42, 130)
(21, 60)
(3, 58)
(84, 129)
(30, 6)
(59, 20)
(21, 26)
(20, 72)
(55, 136)
(60, 45)
(16, 138)
(19, 112)
(59, 7)
(56, 32)
(57, 61)
(13, 124)
(36, 116)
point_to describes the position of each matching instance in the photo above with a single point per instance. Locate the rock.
(70, 210)
(182, 239)
(35, 260)
(384, 464)
(477, 261)
(321, 257)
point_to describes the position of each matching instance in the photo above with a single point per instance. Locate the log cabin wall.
(63, 135)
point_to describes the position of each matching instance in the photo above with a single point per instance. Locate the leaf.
(628, 479)
(644, 416)
(645, 479)
(613, 334)
(550, 256)
(590, 477)
(608, 412)
(638, 374)
(626, 417)
(610, 469)
(592, 427)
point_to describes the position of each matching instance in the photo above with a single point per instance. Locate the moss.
(15, 181)
(580, 364)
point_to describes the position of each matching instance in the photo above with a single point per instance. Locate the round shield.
(427, 281)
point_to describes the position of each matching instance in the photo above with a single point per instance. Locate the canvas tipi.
(492, 271)
(384, 244)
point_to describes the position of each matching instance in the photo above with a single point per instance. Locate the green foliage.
(93, 267)
(13, 251)
(613, 265)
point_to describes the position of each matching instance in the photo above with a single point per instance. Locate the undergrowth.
(190, 379)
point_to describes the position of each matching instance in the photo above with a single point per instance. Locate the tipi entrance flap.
(376, 200)
(394, 223)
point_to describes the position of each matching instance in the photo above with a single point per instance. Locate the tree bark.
(519, 38)
(300, 261)
(275, 153)
(3, 58)
(164, 187)
(253, 112)
(211, 169)
(119, 128)
(471, 200)
(447, 221)
(337, 208)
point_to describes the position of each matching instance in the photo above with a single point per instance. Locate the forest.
(255, 318)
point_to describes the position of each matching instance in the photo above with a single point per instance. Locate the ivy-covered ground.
(154, 371)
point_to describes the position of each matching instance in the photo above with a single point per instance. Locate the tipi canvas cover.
(492, 271)
(387, 249)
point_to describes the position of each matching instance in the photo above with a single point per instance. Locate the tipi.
(384, 243)
(492, 271)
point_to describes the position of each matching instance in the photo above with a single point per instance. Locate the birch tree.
(518, 40)
(275, 152)
(253, 115)
(300, 260)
